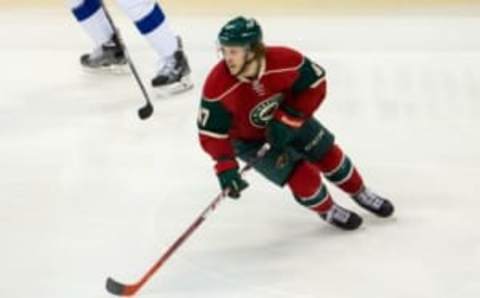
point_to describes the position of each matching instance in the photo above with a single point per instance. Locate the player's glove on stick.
(229, 178)
(281, 129)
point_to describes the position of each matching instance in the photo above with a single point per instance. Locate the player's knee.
(138, 9)
(305, 180)
(331, 160)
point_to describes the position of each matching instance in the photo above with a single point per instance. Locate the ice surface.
(87, 190)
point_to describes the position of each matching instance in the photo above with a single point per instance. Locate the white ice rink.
(87, 190)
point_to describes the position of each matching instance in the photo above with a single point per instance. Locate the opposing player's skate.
(109, 56)
(342, 218)
(374, 203)
(174, 76)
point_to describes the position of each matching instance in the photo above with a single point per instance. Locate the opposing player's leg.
(304, 181)
(175, 72)
(107, 54)
(151, 22)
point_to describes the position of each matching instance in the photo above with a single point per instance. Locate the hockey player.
(259, 94)
(150, 21)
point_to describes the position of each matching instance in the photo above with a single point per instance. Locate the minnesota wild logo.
(262, 113)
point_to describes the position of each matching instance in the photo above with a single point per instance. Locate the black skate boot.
(175, 73)
(342, 218)
(374, 203)
(110, 54)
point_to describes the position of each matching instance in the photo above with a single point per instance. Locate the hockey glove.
(230, 179)
(282, 129)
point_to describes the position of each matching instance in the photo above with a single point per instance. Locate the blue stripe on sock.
(151, 21)
(86, 10)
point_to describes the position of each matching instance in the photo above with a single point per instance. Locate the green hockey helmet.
(241, 31)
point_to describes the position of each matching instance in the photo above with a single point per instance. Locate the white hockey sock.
(92, 18)
(163, 40)
(151, 22)
(98, 28)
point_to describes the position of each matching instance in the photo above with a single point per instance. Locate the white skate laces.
(337, 213)
(369, 198)
(96, 53)
(99, 51)
(168, 68)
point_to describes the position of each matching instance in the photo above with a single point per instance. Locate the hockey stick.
(121, 289)
(147, 110)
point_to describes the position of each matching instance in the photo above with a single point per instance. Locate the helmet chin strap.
(246, 64)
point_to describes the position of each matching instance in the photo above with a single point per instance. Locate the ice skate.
(342, 218)
(374, 203)
(174, 76)
(110, 56)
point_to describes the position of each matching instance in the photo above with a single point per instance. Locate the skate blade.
(182, 86)
(118, 69)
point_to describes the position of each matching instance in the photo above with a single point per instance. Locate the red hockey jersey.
(233, 108)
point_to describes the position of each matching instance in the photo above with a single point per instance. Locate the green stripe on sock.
(317, 199)
(342, 172)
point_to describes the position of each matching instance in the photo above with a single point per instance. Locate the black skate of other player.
(109, 55)
(175, 73)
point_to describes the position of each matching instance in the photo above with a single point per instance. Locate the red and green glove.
(282, 129)
(229, 178)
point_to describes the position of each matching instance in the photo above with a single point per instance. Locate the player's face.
(235, 58)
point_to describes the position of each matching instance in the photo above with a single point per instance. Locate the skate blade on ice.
(117, 69)
(181, 86)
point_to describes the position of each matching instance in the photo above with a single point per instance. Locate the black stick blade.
(115, 287)
(145, 111)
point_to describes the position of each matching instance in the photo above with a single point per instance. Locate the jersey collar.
(261, 72)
